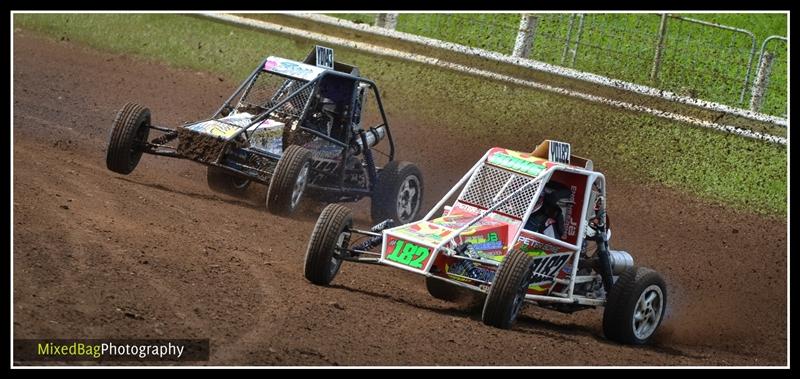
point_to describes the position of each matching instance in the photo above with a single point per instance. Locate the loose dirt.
(156, 254)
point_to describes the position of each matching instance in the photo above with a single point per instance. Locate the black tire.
(130, 129)
(622, 302)
(443, 290)
(321, 265)
(289, 181)
(507, 293)
(223, 181)
(392, 199)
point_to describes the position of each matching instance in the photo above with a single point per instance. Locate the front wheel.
(398, 193)
(332, 232)
(130, 130)
(635, 306)
(289, 180)
(507, 293)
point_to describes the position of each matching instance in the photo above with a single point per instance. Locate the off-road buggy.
(299, 127)
(525, 227)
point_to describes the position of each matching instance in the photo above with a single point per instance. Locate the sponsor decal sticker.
(215, 128)
(517, 164)
(292, 69)
(468, 269)
(425, 230)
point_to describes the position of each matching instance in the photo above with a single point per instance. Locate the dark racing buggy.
(298, 127)
(525, 227)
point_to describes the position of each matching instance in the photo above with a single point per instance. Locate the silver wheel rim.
(519, 299)
(408, 199)
(648, 311)
(300, 185)
(240, 183)
(336, 262)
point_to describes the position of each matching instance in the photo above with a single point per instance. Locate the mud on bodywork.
(199, 146)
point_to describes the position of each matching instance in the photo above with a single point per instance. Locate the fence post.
(761, 81)
(386, 20)
(577, 39)
(569, 38)
(662, 33)
(524, 42)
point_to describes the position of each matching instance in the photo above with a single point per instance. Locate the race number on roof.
(553, 151)
(324, 57)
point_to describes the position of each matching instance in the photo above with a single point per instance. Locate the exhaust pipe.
(620, 261)
(372, 136)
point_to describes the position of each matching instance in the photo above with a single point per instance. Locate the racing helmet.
(550, 206)
(554, 195)
(539, 204)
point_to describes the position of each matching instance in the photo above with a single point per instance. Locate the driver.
(548, 217)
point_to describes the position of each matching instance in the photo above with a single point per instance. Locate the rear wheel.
(635, 306)
(289, 180)
(331, 232)
(507, 293)
(222, 181)
(398, 193)
(130, 130)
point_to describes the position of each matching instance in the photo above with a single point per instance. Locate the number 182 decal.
(408, 254)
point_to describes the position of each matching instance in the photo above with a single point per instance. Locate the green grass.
(361, 18)
(699, 61)
(722, 168)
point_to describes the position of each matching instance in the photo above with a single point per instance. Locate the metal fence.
(494, 32)
(769, 91)
(692, 58)
(707, 61)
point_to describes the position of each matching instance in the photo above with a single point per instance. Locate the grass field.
(699, 61)
(722, 168)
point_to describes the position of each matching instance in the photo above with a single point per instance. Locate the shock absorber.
(603, 253)
(368, 158)
(605, 264)
(373, 241)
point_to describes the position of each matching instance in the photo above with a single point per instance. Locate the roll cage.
(512, 203)
(301, 96)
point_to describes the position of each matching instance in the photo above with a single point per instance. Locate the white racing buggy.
(521, 230)
(298, 127)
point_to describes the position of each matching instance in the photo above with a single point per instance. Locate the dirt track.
(157, 254)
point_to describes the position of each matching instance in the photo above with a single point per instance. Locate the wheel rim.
(408, 199)
(336, 261)
(519, 299)
(240, 183)
(300, 185)
(140, 138)
(648, 311)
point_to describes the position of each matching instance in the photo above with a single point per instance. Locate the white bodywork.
(534, 186)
